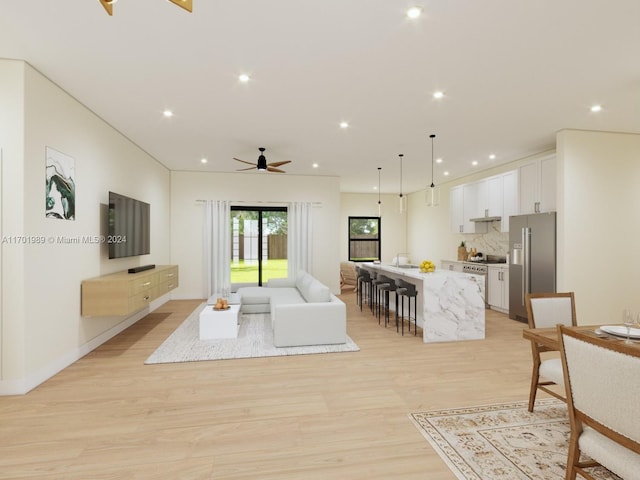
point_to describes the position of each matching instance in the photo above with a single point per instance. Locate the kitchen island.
(450, 305)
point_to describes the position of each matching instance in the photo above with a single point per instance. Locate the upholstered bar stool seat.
(364, 286)
(407, 290)
(385, 287)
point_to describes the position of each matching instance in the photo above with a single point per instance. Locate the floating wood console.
(123, 293)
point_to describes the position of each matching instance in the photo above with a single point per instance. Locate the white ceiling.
(513, 72)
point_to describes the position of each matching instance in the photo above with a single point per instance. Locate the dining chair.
(603, 388)
(548, 310)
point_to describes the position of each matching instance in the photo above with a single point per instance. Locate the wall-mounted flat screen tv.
(129, 226)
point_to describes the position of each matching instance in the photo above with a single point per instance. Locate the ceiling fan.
(262, 164)
(186, 4)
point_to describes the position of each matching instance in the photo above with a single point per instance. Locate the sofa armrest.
(281, 282)
(309, 323)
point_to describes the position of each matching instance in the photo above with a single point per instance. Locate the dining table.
(548, 336)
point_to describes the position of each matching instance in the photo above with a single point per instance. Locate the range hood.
(485, 219)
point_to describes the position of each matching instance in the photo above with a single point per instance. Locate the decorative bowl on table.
(427, 266)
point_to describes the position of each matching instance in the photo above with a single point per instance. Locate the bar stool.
(385, 288)
(408, 290)
(378, 279)
(364, 286)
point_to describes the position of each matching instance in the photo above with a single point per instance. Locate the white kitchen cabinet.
(537, 184)
(463, 206)
(489, 197)
(510, 200)
(498, 282)
(451, 265)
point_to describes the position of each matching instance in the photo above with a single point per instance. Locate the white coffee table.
(219, 323)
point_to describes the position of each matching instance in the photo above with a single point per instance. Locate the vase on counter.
(462, 254)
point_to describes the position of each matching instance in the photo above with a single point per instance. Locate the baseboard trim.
(22, 386)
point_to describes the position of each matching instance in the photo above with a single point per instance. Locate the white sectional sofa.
(303, 311)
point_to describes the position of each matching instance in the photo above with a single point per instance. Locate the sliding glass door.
(258, 245)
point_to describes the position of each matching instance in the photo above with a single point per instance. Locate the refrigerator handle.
(526, 261)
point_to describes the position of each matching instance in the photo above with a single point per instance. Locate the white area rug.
(255, 339)
(502, 442)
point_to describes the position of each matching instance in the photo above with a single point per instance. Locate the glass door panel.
(258, 245)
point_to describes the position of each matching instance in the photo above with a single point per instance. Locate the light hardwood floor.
(328, 416)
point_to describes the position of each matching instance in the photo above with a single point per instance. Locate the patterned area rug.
(502, 442)
(255, 339)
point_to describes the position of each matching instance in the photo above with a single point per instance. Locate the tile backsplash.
(494, 242)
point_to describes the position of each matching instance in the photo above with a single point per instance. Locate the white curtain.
(217, 246)
(299, 242)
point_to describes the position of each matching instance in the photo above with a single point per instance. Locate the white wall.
(599, 222)
(12, 290)
(251, 189)
(43, 331)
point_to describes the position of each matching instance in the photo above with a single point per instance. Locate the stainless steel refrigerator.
(532, 259)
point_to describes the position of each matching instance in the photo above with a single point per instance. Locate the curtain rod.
(258, 201)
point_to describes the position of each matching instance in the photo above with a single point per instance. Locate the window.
(259, 245)
(364, 239)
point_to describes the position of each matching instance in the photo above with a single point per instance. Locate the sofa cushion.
(312, 290)
(254, 295)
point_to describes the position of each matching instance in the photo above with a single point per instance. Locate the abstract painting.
(60, 185)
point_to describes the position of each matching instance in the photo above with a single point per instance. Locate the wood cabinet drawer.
(121, 293)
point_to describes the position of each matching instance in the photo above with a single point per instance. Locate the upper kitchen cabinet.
(538, 185)
(510, 198)
(464, 206)
(498, 198)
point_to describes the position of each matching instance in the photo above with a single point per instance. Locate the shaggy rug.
(255, 339)
(502, 442)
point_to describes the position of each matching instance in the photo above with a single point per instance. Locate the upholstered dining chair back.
(603, 389)
(551, 309)
(548, 310)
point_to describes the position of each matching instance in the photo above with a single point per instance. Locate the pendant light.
(379, 201)
(433, 192)
(403, 200)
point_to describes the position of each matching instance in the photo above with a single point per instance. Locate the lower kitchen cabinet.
(498, 281)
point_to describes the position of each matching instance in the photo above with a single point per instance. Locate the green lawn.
(242, 272)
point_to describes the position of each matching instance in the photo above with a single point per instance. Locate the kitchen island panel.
(450, 304)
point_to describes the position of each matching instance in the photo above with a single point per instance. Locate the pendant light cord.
(432, 137)
(401, 155)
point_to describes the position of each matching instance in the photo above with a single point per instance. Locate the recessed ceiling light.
(344, 125)
(474, 163)
(438, 160)
(315, 165)
(414, 12)
(596, 108)
(375, 187)
(446, 174)
(438, 95)
(492, 156)
(203, 160)
(244, 78)
(167, 113)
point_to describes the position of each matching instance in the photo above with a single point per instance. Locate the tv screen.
(129, 226)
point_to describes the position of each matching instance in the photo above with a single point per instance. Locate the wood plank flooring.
(328, 416)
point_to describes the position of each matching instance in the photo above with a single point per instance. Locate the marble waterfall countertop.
(450, 305)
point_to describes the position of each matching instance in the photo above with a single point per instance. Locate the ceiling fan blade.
(275, 170)
(244, 161)
(244, 169)
(279, 164)
(108, 6)
(186, 4)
